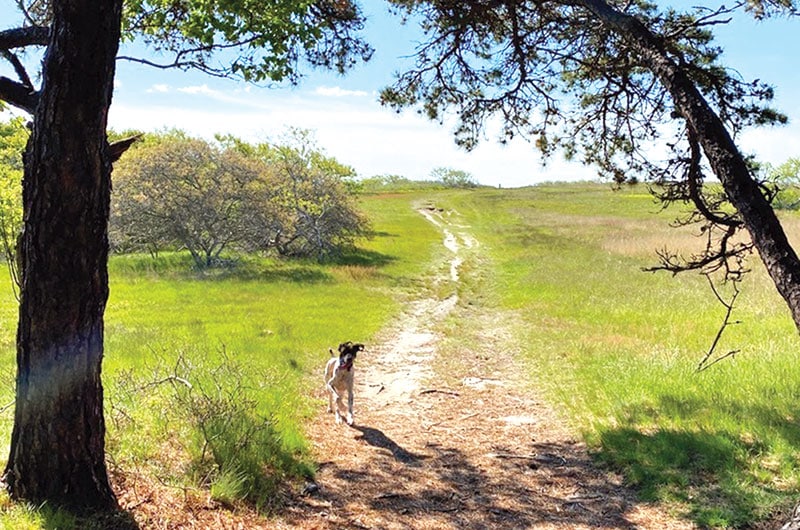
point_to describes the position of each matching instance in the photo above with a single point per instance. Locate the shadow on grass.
(713, 472)
(61, 520)
(290, 275)
(248, 267)
(362, 258)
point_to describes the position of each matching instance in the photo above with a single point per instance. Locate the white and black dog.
(339, 379)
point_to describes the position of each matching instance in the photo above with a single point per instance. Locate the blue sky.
(352, 126)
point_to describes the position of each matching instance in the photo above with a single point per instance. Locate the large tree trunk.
(58, 442)
(726, 161)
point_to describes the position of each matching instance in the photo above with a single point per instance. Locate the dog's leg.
(350, 405)
(328, 388)
(328, 391)
(331, 394)
(339, 406)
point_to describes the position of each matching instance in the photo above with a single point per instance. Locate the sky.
(351, 125)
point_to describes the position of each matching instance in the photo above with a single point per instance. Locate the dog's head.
(347, 354)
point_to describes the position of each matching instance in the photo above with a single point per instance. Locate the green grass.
(249, 339)
(612, 347)
(616, 348)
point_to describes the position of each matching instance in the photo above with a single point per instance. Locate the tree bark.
(726, 161)
(58, 441)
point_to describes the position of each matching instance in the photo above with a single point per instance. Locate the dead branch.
(704, 363)
(168, 379)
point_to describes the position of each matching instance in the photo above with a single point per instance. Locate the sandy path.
(468, 447)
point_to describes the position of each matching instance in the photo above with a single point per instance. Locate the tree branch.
(116, 149)
(22, 37)
(24, 78)
(18, 95)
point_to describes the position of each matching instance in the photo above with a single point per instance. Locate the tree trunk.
(726, 161)
(58, 441)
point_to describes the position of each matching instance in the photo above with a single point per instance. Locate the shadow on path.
(377, 438)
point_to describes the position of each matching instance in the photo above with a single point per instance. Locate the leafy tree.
(13, 136)
(57, 450)
(311, 211)
(176, 191)
(785, 181)
(453, 178)
(600, 80)
(180, 191)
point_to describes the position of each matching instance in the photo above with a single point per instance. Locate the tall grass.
(617, 348)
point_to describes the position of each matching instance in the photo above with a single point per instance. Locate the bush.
(215, 412)
(453, 178)
(177, 192)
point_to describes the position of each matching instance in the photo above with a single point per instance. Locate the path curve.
(448, 435)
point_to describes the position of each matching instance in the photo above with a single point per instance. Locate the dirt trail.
(468, 447)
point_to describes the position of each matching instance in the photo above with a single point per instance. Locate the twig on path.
(546, 458)
(513, 456)
(446, 510)
(439, 391)
(390, 495)
(575, 504)
(355, 523)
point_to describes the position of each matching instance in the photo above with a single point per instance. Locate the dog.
(339, 379)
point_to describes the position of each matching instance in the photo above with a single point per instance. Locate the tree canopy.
(13, 136)
(246, 39)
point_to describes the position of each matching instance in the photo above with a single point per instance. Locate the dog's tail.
(331, 350)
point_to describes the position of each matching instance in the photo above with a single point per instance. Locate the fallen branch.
(439, 391)
(462, 418)
(388, 495)
(513, 456)
(546, 458)
(169, 379)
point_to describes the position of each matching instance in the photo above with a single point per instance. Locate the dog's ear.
(344, 346)
(358, 347)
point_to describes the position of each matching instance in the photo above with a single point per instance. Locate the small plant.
(215, 415)
(229, 486)
(237, 447)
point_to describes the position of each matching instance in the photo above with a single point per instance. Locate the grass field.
(250, 339)
(613, 348)
(617, 348)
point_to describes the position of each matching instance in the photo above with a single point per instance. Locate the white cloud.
(772, 144)
(159, 88)
(338, 92)
(200, 89)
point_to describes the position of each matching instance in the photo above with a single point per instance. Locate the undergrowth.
(217, 419)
